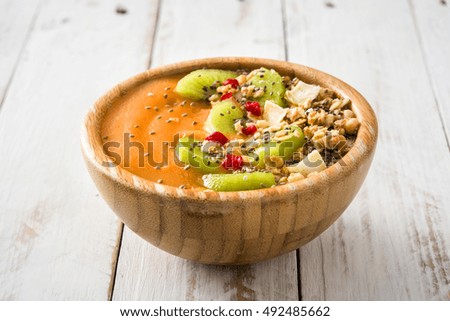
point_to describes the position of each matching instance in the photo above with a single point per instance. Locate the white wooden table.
(58, 238)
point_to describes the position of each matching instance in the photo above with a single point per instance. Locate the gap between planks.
(428, 71)
(20, 54)
(115, 261)
(286, 58)
(156, 27)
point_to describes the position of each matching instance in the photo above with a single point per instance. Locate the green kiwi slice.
(189, 152)
(283, 146)
(202, 83)
(273, 84)
(222, 116)
(238, 181)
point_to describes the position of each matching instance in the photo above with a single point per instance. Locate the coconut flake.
(273, 113)
(302, 94)
(311, 163)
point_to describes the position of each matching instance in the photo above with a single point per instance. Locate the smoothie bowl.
(229, 160)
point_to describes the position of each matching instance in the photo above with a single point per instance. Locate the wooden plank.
(432, 20)
(144, 272)
(218, 29)
(393, 241)
(16, 20)
(58, 238)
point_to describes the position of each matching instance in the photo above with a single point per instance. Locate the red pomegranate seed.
(226, 96)
(217, 137)
(233, 162)
(231, 81)
(253, 107)
(249, 130)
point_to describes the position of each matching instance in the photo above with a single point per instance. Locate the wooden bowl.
(231, 227)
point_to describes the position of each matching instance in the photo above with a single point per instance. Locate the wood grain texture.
(393, 241)
(16, 20)
(432, 22)
(184, 32)
(59, 240)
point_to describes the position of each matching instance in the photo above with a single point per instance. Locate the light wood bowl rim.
(91, 140)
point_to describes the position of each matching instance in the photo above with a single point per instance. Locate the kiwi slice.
(222, 116)
(238, 181)
(273, 84)
(189, 151)
(202, 83)
(281, 144)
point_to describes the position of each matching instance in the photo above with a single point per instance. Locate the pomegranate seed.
(249, 130)
(217, 137)
(226, 96)
(233, 162)
(253, 107)
(231, 81)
